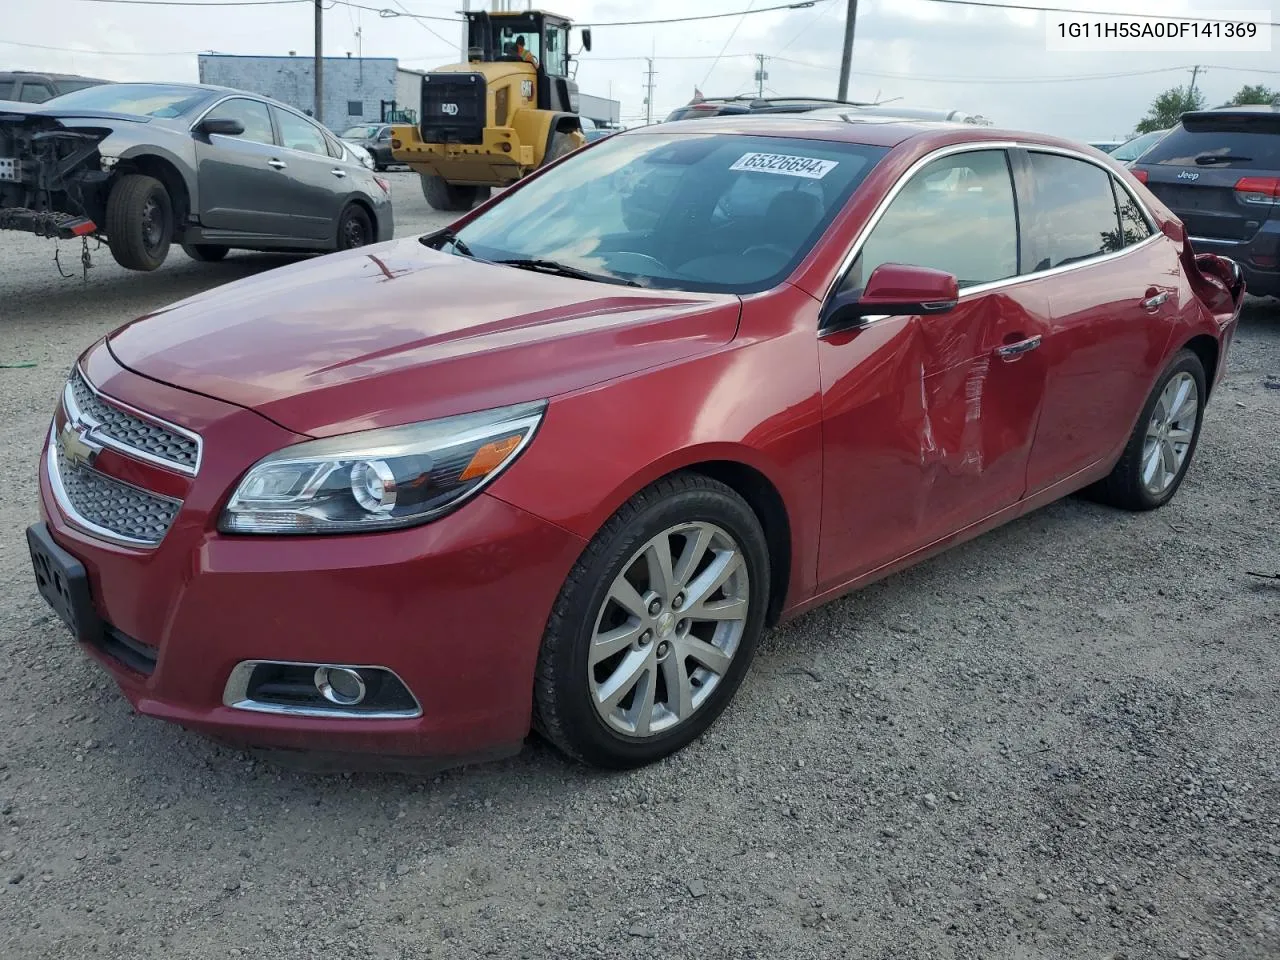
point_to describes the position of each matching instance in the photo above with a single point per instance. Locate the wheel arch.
(167, 171)
(1207, 349)
(356, 200)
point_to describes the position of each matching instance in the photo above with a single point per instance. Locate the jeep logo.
(1188, 175)
(450, 108)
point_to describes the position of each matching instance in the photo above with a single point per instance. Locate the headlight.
(379, 479)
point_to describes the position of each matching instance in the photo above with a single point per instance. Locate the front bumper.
(498, 159)
(455, 608)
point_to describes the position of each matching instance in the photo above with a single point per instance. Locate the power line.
(108, 53)
(420, 23)
(732, 33)
(1093, 13)
(799, 5)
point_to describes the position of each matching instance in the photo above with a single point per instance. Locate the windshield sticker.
(810, 168)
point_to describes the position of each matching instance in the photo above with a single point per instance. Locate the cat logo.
(449, 108)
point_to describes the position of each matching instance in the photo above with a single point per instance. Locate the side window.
(251, 113)
(1073, 211)
(301, 135)
(384, 134)
(335, 149)
(1134, 227)
(553, 59)
(957, 214)
(35, 93)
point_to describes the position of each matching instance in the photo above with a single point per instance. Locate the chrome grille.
(110, 507)
(131, 434)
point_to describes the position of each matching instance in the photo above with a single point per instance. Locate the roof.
(1262, 108)
(871, 130)
(46, 75)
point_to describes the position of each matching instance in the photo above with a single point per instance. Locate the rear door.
(314, 185)
(238, 176)
(1112, 282)
(1203, 168)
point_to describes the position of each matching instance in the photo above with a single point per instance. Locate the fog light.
(340, 685)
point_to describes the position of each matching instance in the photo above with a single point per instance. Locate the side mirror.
(1174, 230)
(893, 289)
(225, 126)
(586, 39)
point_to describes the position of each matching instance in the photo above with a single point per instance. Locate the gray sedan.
(144, 165)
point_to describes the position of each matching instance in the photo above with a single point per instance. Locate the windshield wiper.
(1208, 159)
(564, 270)
(441, 237)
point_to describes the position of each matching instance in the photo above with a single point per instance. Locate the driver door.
(929, 420)
(239, 186)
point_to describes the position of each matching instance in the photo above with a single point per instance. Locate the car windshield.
(140, 99)
(1136, 147)
(715, 213)
(363, 132)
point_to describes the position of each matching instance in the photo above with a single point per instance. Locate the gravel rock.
(1067, 747)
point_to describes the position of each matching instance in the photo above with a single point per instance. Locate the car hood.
(397, 333)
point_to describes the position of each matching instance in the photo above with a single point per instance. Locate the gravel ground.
(1056, 741)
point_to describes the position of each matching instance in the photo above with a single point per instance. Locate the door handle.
(278, 164)
(1011, 350)
(1155, 301)
(338, 173)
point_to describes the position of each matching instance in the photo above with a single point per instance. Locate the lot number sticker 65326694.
(810, 168)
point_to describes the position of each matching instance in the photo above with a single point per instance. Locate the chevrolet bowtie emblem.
(76, 446)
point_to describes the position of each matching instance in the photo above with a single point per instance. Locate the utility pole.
(1191, 92)
(761, 75)
(319, 67)
(846, 57)
(648, 93)
(466, 40)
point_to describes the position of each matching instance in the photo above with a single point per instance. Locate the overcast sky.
(929, 54)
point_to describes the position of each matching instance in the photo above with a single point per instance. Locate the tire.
(561, 145)
(139, 222)
(1128, 486)
(355, 228)
(205, 252)
(442, 195)
(568, 687)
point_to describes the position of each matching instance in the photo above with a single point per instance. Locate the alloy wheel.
(1169, 433)
(668, 628)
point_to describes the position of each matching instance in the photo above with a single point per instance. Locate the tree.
(1254, 93)
(1166, 108)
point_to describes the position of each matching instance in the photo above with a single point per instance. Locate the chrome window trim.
(70, 512)
(974, 146)
(233, 96)
(235, 694)
(77, 415)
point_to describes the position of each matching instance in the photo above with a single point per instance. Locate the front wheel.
(139, 222)
(1159, 451)
(655, 627)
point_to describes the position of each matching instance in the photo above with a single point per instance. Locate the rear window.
(1243, 142)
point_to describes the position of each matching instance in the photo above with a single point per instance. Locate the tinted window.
(35, 93)
(721, 213)
(1239, 142)
(1073, 211)
(254, 116)
(143, 99)
(1133, 223)
(6, 89)
(67, 86)
(957, 215)
(299, 134)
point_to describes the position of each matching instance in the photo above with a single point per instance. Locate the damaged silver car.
(143, 165)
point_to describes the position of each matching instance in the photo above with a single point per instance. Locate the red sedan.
(560, 465)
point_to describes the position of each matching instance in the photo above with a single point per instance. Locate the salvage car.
(375, 138)
(144, 165)
(1219, 171)
(559, 466)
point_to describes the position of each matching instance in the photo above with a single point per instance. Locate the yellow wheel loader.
(512, 108)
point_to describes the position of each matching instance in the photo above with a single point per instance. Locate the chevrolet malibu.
(559, 466)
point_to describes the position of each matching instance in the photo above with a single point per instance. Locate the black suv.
(25, 87)
(1219, 171)
(730, 106)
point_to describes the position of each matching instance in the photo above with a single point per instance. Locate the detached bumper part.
(46, 223)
